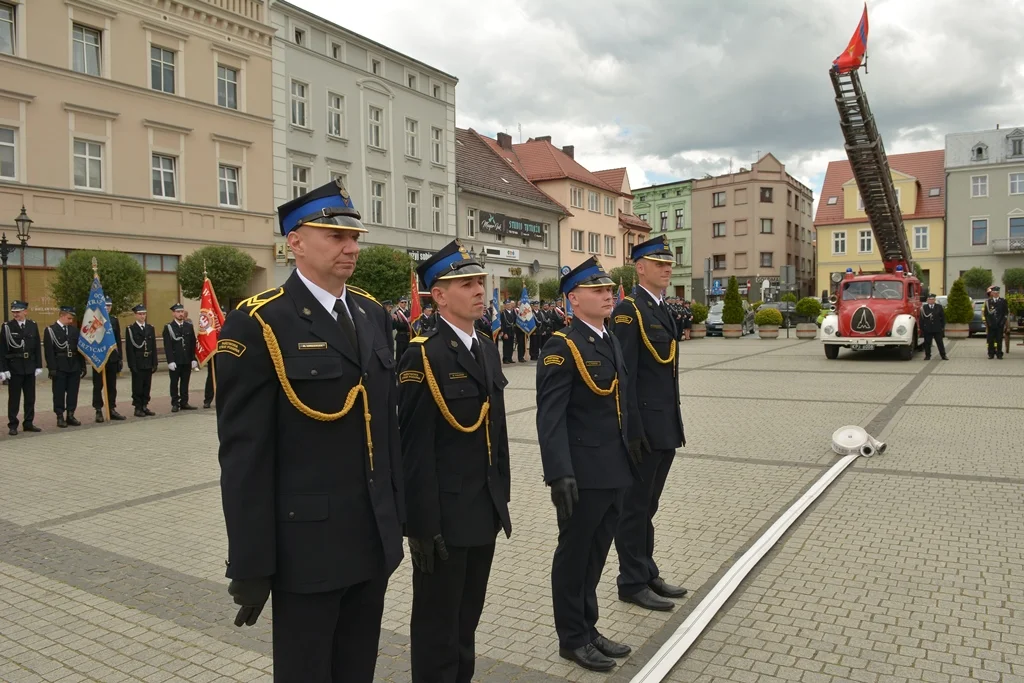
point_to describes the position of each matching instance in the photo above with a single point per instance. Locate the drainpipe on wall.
(945, 236)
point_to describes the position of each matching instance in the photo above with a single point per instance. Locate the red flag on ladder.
(853, 55)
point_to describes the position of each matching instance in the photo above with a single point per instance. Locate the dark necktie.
(607, 340)
(347, 328)
(474, 349)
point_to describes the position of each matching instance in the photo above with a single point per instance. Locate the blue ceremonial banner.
(524, 316)
(97, 338)
(495, 315)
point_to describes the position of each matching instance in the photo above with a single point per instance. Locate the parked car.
(714, 321)
(977, 325)
(786, 308)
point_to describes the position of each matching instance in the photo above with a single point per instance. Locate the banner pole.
(106, 391)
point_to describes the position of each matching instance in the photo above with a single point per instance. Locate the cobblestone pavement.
(908, 568)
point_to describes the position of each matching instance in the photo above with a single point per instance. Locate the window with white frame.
(679, 219)
(470, 222)
(864, 238)
(300, 104)
(1016, 227)
(979, 232)
(376, 67)
(594, 243)
(412, 200)
(1017, 183)
(161, 69)
(335, 115)
(376, 127)
(609, 245)
(436, 144)
(920, 238)
(410, 80)
(593, 201)
(979, 186)
(663, 223)
(85, 44)
(300, 37)
(609, 206)
(438, 210)
(412, 138)
(628, 207)
(300, 180)
(7, 31)
(165, 182)
(577, 240)
(839, 242)
(437, 91)
(227, 87)
(88, 164)
(337, 51)
(576, 198)
(377, 202)
(228, 185)
(8, 154)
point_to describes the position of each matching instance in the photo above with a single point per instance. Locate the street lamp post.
(23, 224)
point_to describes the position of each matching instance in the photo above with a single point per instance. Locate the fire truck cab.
(873, 311)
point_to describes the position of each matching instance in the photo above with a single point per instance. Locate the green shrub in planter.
(768, 316)
(1015, 304)
(959, 309)
(808, 307)
(756, 305)
(789, 296)
(732, 310)
(700, 312)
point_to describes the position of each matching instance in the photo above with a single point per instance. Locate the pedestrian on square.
(648, 335)
(311, 472)
(140, 350)
(996, 313)
(21, 361)
(65, 366)
(114, 365)
(508, 332)
(687, 319)
(451, 397)
(933, 326)
(180, 349)
(403, 327)
(582, 426)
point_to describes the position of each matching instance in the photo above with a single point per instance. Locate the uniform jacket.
(995, 311)
(61, 347)
(179, 343)
(140, 347)
(508, 322)
(20, 349)
(933, 318)
(653, 396)
(578, 430)
(451, 488)
(117, 354)
(301, 502)
(402, 324)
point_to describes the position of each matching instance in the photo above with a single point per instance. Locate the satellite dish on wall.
(535, 267)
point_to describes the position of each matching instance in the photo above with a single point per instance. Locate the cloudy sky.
(675, 89)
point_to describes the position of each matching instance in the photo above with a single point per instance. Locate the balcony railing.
(250, 9)
(1011, 245)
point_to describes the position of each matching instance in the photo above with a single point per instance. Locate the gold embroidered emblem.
(311, 346)
(457, 375)
(553, 360)
(624, 319)
(306, 311)
(410, 376)
(230, 346)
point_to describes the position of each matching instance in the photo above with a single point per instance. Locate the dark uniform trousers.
(209, 390)
(179, 345)
(20, 355)
(995, 314)
(140, 352)
(520, 345)
(453, 489)
(65, 391)
(21, 385)
(66, 365)
(508, 335)
(304, 504)
(535, 344)
(654, 412)
(111, 368)
(580, 436)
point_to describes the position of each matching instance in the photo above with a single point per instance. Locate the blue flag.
(97, 337)
(524, 316)
(495, 316)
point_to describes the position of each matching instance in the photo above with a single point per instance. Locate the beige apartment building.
(138, 125)
(750, 223)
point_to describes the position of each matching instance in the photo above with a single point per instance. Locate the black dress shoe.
(186, 406)
(648, 600)
(609, 648)
(99, 416)
(945, 358)
(175, 409)
(589, 657)
(114, 415)
(206, 404)
(73, 421)
(29, 427)
(60, 422)
(148, 412)
(927, 357)
(139, 413)
(666, 590)
(13, 431)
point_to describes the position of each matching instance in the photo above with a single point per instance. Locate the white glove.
(195, 365)
(172, 366)
(39, 371)
(4, 376)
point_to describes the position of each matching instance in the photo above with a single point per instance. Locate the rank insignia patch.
(230, 346)
(593, 363)
(624, 319)
(312, 346)
(410, 376)
(457, 375)
(553, 360)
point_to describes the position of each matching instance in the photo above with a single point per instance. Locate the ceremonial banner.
(96, 340)
(495, 314)
(620, 296)
(854, 53)
(210, 321)
(415, 306)
(524, 315)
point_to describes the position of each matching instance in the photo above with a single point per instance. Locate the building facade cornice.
(246, 24)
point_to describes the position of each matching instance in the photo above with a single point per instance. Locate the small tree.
(549, 290)
(808, 307)
(625, 276)
(700, 312)
(768, 316)
(1013, 279)
(514, 287)
(383, 272)
(123, 279)
(732, 311)
(789, 297)
(229, 269)
(958, 306)
(977, 280)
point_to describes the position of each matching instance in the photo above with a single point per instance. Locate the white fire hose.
(851, 442)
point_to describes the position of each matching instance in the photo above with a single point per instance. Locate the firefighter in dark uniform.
(582, 420)
(140, 351)
(427, 320)
(114, 365)
(535, 335)
(546, 323)
(933, 326)
(21, 361)
(457, 480)
(65, 366)
(312, 486)
(996, 312)
(403, 327)
(180, 349)
(508, 332)
(649, 335)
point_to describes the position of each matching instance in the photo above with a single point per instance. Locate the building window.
(471, 223)
(628, 207)
(436, 145)
(299, 104)
(593, 202)
(920, 237)
(609, 245)
(412, 138)
(766, 259)
(161, 69)
(377, 202)
(86, 50)
(593, 243)
(663, 223)
(410, 80)
(545, 231)
(679, 256)
(1016, 145)
(789, 229)
(979, 185)
(438, 210)
(832, 201)
(577, 240)
(864, 241)
(413, 201)
(766, 225)
(979, 232)
(642, 216)
(164, 181)
(718, 199)
(718, 229)
(336, 51)
(576, 197)
(376, 122)
(766, 194)
(789, 198)
(718, 262)
(609, 206)
(335, 115)
(1016, 227)
(88, 165)
(227, 87)
(300, 37)
(300, 180)
(679, 219)
(1017, 183)
(228, 181)
(376, 67)
(6, 29)
(437, 91)
(979, 153)
(8, 154)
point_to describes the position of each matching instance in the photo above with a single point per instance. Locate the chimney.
(504, 140)
(543, 138)
(569, 151)
(997, 126)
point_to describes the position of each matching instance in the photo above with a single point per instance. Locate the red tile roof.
(477, 165)
(631, 222)
(539, 160)
(612, 177)
(927, 167)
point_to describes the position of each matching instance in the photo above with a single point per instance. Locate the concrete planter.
(768, 331)
(698, 331)
(957, 330)
(806, 330)
(732, 331)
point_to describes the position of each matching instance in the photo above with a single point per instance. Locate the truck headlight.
(901, 330)
(828, 329)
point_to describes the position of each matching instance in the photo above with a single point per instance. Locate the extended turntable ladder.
(871, 170)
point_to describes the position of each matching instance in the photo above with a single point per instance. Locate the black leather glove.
(50, 374)
(120, 366)
(564, 495)
(423, 549)
(637, 448)
(154, 370)
(252, 595)
(84, 370)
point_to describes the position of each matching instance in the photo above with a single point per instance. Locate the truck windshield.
(877, 289)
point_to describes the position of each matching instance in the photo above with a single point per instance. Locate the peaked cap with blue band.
(656, 249)
(452, 261)
(17, 305)
(67, 309)
(587, 274)
(328, 206)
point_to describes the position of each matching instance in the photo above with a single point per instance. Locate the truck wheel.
(831, 351)
(907, 352)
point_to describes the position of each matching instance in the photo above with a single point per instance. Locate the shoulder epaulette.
(629, 299)
(253, 303)
(418, 340)
(363, 293)
(558, 334)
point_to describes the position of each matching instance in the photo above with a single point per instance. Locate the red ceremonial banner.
(210, 321)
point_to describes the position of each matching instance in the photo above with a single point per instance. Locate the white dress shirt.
(600, 332)
(326, 299)
(466, 339)
(656, 297)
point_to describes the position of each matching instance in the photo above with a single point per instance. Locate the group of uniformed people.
(319, 484)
